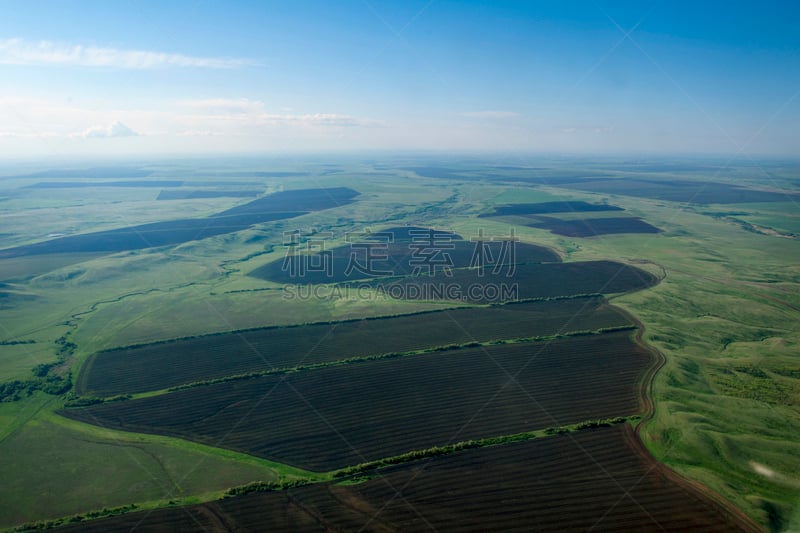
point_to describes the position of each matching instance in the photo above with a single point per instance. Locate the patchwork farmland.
(168, 364)
(551, 364)
(338, 416)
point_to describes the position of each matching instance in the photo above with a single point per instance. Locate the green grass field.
(54, 467)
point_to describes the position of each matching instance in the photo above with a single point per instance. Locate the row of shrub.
(91, 515)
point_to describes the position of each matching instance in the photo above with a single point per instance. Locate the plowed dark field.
(524, 281)
(548, 207)
(344, 415)
(591, 227)
(588, 481)
(371, 260)
(167, 364)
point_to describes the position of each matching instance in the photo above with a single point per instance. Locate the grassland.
(74, 468)
(724, 315)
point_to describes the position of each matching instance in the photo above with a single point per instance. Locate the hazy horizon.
(583, 78)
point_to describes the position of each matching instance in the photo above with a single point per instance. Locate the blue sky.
(84, 78)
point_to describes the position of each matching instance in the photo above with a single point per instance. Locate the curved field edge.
(717, 438)
(638, 446)
(89, 468)
(501, 475)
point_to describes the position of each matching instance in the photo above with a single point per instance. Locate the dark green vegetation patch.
(592, 227)
(344, 415)
(195, 195)
(592, 480)
(549, 207)
(295, 200)
(86, 184)
(167, 364)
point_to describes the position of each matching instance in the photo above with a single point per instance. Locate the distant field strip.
(591, 227)
(343, 415)
(181, 194)
(280, 205)
(167, 364)
(669, 189)
(532, 215)
(548, 207)
(85, 184)
(684, 191)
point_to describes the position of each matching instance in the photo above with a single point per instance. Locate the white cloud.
(30, 118)
(325, 120)
(223, 105)
(29, 135)
(21, 52)
(598, 130)
(493, 115)
(246, 112)
(115, 129)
